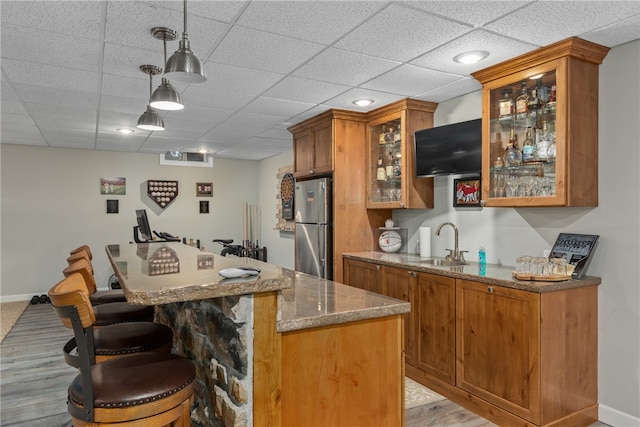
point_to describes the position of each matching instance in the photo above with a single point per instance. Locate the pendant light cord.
(184, 34)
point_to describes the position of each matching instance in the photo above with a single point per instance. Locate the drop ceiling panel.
(44, 47)
(250, 48)
(452, 90)
(223, 11)
(243, 80)
(474, 13)
(304, 90)
(320, 22)
(500, 49)
(76, 18)
(409, 80)
(344, 67)
(616, 34)
(198, 97)
(536, 24)
(401, 34)
(56, 96)
(345, 100)
(50, 76)
(276, 107)
(265, 121)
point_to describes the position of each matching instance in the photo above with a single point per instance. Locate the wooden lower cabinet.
(515, 357)
(363, 275)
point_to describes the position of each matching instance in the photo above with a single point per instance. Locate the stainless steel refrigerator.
(314, 242)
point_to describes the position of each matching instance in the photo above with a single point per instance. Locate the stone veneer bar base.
(217, 334)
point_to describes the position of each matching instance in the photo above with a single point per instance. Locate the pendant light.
(150, 120)
(165, 97)
(183, 66)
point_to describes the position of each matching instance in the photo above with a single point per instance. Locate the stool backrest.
(84, 248)
(83, 266)
(71, 303)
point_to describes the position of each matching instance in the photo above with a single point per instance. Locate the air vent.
(185, 158)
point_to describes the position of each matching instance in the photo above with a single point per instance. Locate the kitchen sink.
(443, 262)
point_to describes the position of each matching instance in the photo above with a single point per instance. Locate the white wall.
(51, 203)
(507, 233)
(280, 244)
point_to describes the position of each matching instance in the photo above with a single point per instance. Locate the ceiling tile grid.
(70, 69)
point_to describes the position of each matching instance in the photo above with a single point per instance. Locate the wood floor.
(34, 379)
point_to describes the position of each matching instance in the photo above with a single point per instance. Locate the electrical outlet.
(546, 253)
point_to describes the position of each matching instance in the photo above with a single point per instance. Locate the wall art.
(116, 185)
(204, 189)
(466, 192)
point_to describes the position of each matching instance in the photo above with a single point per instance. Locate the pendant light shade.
(150, 120)
(165, 97)
(183, 66)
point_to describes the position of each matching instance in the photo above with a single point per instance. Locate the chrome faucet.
(456, 254)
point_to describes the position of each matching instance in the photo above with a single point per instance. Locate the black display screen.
(143, 224)
(449, 149)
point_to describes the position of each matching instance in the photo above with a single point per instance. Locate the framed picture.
(204, 189)
(112, 207)
(466, 192)
(204, 206)
(116, 185)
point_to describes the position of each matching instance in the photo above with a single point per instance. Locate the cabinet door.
(322, 148)
(303, 153)
(498, 346)
(400, 284)
(363, 275)
(435, 308)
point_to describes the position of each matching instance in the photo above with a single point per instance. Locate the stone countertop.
(497, 275)
(167, 272)
(314, 302)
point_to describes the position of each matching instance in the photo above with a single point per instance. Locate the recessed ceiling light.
(471, 57)
(536, 77)
(125, 131)
(363, 102)
(203, 151)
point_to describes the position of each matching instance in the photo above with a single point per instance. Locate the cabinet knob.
(412, 274)
(490, 289)
(310, 171)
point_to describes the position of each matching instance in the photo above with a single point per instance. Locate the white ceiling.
(70, 69)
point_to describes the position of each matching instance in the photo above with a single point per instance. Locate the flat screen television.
(143, 224)
(450, 149)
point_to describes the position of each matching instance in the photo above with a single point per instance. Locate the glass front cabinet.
(540, 127)
(391, 180)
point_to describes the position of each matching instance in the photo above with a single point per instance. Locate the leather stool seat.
(106, 297)
(122, 312)
(134, 380)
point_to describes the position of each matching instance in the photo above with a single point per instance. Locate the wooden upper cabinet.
(391, 177)
(312, 148)
(547, 102)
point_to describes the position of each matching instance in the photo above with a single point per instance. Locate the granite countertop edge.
(495, 274)
(310, 322)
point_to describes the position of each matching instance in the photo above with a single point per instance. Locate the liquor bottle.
(397, 171)
(542, 142)
(396, 134)
(534, 102)
(389, 163)
(381, 174)
(522, 102)
(512, 155)
(388, 137)
(505, 104)
(529, 150)
(382, 134)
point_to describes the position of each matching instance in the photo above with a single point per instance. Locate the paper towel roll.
(425, 242)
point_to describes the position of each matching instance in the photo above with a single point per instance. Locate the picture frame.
(467, 192)
(204, 206)
(204, 189)
(113, 206)
(113, 186)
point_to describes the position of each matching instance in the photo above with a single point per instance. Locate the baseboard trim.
(613, 417)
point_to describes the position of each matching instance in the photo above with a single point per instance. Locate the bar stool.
(150, 389)
(97, 297)
(109, 341)
(84, 248)
(113, 312)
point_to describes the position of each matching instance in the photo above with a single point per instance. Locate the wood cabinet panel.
(435, 307)
(399, 283)
(363, 275)
(345, 375)
(498, 346)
